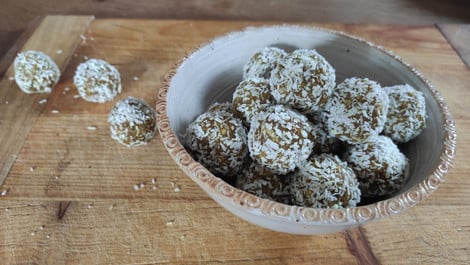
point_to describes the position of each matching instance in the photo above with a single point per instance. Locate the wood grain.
(18, 110)
(459, 37)
(71, 191)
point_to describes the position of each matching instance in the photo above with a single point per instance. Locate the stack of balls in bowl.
(132, 122)
(292, 135)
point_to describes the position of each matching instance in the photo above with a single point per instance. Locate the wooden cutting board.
(72, 195)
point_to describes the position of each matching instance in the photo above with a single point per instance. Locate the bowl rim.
(306, 215)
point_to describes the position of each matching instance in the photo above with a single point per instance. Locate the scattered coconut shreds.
(85, 57)
(11, 78)
(83, 37)
(142, 185)
(135, 78)
(6, 102)
(41, 227)
(112, 207)
(136, 187)
(76, 96)
(89, 206)
(75, 55)
(7, 209)
(154, 180)
(48, 236)
(66, 88)
(42, 101)
(91, 128)
(4, 193)
(154, 187)
(56, 177)
(91, 38)
(54, 111)
(170, 222)
(177, 189)
(33, 233)
(59, 51)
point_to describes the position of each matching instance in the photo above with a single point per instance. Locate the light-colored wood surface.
(459, 36)
(70, 190)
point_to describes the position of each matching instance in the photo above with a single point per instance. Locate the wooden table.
(72, 195)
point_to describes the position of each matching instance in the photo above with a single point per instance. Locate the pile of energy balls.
(293, 135)
(132, 121)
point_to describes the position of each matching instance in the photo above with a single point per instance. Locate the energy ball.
(325, 181)
(304, 80)
(406, 116)
(218, 141)
(250, 96)
(262, 62)
(97, 81)
(35, 72)
(132, 122)
(357, 110)
(262, 182)
(280, 139)
(379, 166)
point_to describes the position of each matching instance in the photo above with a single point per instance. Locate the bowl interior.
(211, 73)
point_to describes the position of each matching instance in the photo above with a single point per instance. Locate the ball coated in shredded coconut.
(279, 139)
(357, 110)
(379, 166)
(132, 122)
(304, 80)
(325, 181)
(262, 182)
(262, 62)
(35, 72)
(406, 116)
(218, 141)
(250, 96)
(97, 81)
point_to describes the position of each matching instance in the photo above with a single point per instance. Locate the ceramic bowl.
(210, 75)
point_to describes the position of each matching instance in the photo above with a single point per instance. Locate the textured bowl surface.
(210, 74)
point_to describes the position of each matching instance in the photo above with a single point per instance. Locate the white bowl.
(210, 74)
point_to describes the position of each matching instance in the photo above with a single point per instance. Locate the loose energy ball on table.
(262, 62)
(218, 141)
(406, 116)
(379, 166)
(357, 110)
(304, 80)
(35, 72)
(324, 181)
(280, 139)
(262, 182)
(250, 96)
(132, 122)
(97, 81)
